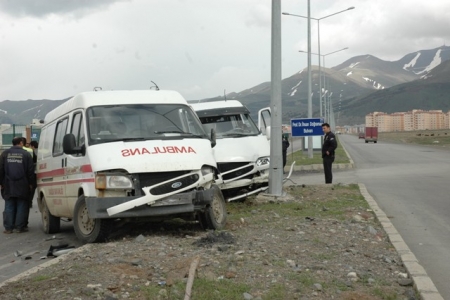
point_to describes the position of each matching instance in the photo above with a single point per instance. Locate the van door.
(57, 190)
(264, 121)
(77, 168)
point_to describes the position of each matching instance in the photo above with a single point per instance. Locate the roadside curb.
(422, 283)
(318, 167)
(44, 265)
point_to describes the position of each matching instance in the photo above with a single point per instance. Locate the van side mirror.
(213, 138)
(268, 129)
(69, 145)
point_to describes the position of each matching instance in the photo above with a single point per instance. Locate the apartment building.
(407, 121)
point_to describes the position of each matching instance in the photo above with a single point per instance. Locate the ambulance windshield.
(226, 126)
(142, 122)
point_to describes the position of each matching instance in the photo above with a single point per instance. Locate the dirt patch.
(214, 238)
(320, 242)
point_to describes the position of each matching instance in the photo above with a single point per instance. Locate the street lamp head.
(285, 13)
(307, 52)
(350, 8)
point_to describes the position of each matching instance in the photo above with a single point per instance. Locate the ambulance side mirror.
(69, 145)
(213, 138)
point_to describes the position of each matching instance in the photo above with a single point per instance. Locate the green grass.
(41, 278)
(344, 197)
(278, 291)
(421, 137)
(385, 295)
(201, 289)
(301, 157)
(221, 289)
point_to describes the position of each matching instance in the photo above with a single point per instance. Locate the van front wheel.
(215, 215)
(50, 223)
(89, 230)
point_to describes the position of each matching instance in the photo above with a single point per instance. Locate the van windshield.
(226, 126)
(142, 122)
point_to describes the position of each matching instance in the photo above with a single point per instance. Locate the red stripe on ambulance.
(63, 171)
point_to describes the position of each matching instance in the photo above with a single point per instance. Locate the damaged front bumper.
(244, 176)
(181, 194)
(187, 202)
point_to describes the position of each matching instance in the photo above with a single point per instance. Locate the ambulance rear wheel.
(215, 215)
(89, 230)
(50, 223)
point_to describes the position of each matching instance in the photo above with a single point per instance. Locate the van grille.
(174, 185)
(149, 179)
(225, 167)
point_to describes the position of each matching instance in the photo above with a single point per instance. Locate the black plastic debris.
(56, 250)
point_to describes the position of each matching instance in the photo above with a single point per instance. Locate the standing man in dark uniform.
(328, 147)
(16, 177)
(285, 146)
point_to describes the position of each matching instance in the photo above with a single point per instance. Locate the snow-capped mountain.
(373, 73)
(430, 92)
(378, 74)
(422, 62)
(351, 82)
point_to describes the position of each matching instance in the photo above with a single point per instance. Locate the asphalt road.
(411, 184)
(32, 245)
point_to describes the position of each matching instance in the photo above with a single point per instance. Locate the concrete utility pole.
(276, 161)
(310, 138)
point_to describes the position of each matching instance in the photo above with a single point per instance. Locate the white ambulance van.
(108, 155)
(242, 152)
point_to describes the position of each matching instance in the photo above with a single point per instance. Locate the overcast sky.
(53, 49)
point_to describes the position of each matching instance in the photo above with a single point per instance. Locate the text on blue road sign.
(306, 127)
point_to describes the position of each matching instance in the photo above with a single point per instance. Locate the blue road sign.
(306, 127)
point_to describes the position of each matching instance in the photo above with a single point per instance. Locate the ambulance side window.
(77, 128)
(60, 131)
(45, 142)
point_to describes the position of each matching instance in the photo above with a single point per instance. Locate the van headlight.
(265, 160)
(103, 181)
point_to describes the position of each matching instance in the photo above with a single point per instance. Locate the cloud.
(55, 48)
(388, 30)
(226, 79)
(42, 8)
(260, 16)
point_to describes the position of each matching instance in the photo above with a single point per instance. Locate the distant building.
(415, 119)
(31, 132)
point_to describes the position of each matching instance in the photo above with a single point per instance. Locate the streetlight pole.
(324, 79)
(318, 40)
(310, 138)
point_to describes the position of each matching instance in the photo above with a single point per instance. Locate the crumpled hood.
(152, 155)
(241, 149)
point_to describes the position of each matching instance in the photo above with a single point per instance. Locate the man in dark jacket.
(328, 148)
(285, 146)
(16, 177)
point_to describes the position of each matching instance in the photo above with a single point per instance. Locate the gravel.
(320, 256)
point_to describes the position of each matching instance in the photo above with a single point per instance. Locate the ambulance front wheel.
(50, 223)
(215, 214)
(89, 230)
